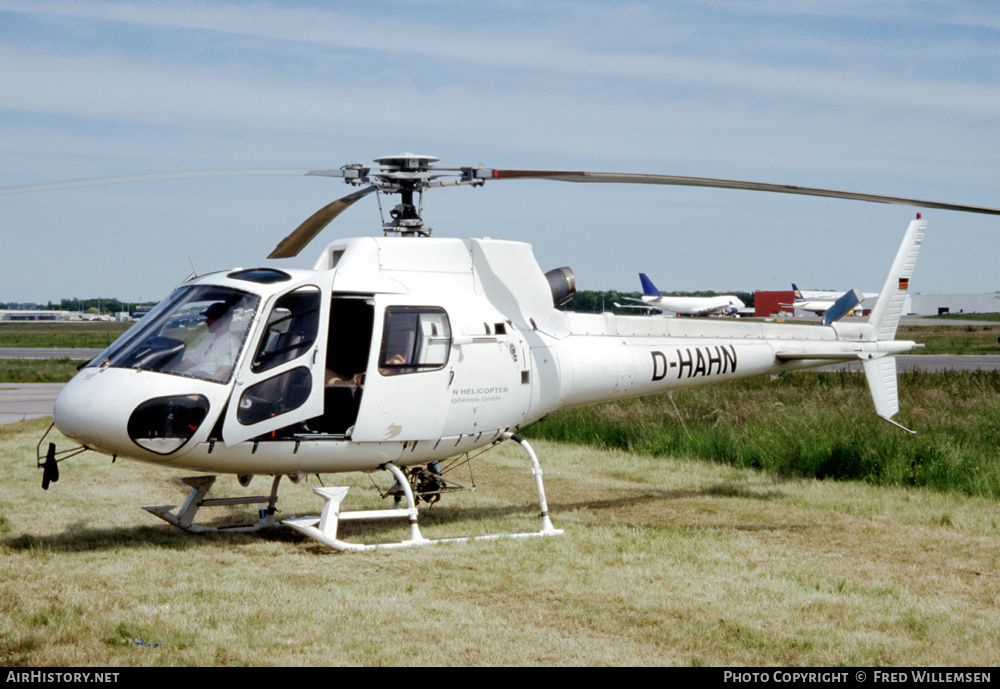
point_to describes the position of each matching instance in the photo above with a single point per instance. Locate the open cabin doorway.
(352, 320)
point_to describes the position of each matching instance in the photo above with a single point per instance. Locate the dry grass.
(813, 425)
(665, 562)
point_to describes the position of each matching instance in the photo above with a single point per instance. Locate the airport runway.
(19, 401)
(932, 362)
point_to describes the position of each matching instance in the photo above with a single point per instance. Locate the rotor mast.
(408, 176)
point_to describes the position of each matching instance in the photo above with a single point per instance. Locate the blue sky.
(898, 98)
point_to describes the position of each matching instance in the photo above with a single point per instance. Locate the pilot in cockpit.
(214, 356)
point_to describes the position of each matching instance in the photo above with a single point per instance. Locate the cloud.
(893, 98)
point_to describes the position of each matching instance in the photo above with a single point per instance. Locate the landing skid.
(184, 517)
(324, 527)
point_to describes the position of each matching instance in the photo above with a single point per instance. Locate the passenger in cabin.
(334, 378)
(390, 365)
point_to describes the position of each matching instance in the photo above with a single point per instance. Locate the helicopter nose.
(85, 412)
(132, 413)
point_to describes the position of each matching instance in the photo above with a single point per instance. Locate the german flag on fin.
(904, 284)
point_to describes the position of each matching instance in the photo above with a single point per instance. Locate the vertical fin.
(889, 306)
(648, 288)
(880, 373)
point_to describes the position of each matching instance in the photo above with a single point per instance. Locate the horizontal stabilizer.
(843, 306)
(644, 307)
(817, 356)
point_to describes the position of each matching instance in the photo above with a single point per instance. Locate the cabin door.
(280, 380)
(406, 394)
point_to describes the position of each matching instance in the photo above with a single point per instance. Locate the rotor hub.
(406, 161)
(408, 175)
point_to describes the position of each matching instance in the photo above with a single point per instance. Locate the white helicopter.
(396, 354)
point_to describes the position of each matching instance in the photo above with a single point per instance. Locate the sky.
(886, 97)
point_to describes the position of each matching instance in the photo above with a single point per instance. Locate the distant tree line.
(105, 305)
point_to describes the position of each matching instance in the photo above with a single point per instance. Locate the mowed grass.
(953, 337)
(86, 334)
(665, 561)
(38, 370)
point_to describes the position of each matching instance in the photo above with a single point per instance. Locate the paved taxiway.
(49, 353)
(19, 401)
(932, 362)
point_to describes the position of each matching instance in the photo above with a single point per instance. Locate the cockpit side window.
(414, 338)
(142, 330)
(291, 329)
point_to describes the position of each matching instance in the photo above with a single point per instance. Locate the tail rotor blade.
(847, 301)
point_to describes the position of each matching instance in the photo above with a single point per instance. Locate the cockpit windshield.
(197, 331)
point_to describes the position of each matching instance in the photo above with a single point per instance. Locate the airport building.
(45, 315)
(935, 304)
(37, 315)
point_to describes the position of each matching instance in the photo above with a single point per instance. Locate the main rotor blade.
(303, 234)
(629, 178)
(158, 176)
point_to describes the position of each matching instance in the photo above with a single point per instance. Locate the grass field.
(38, 370)
(952, 337)
(968, 316)
(88, 334)
(813, 425)
(664, 562)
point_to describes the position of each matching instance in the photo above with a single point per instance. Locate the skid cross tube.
(200, 485)
(324, 527)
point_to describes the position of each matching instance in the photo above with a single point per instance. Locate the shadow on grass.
(79, 538)
(437, 516)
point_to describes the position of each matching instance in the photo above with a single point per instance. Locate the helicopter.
(402, 352)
